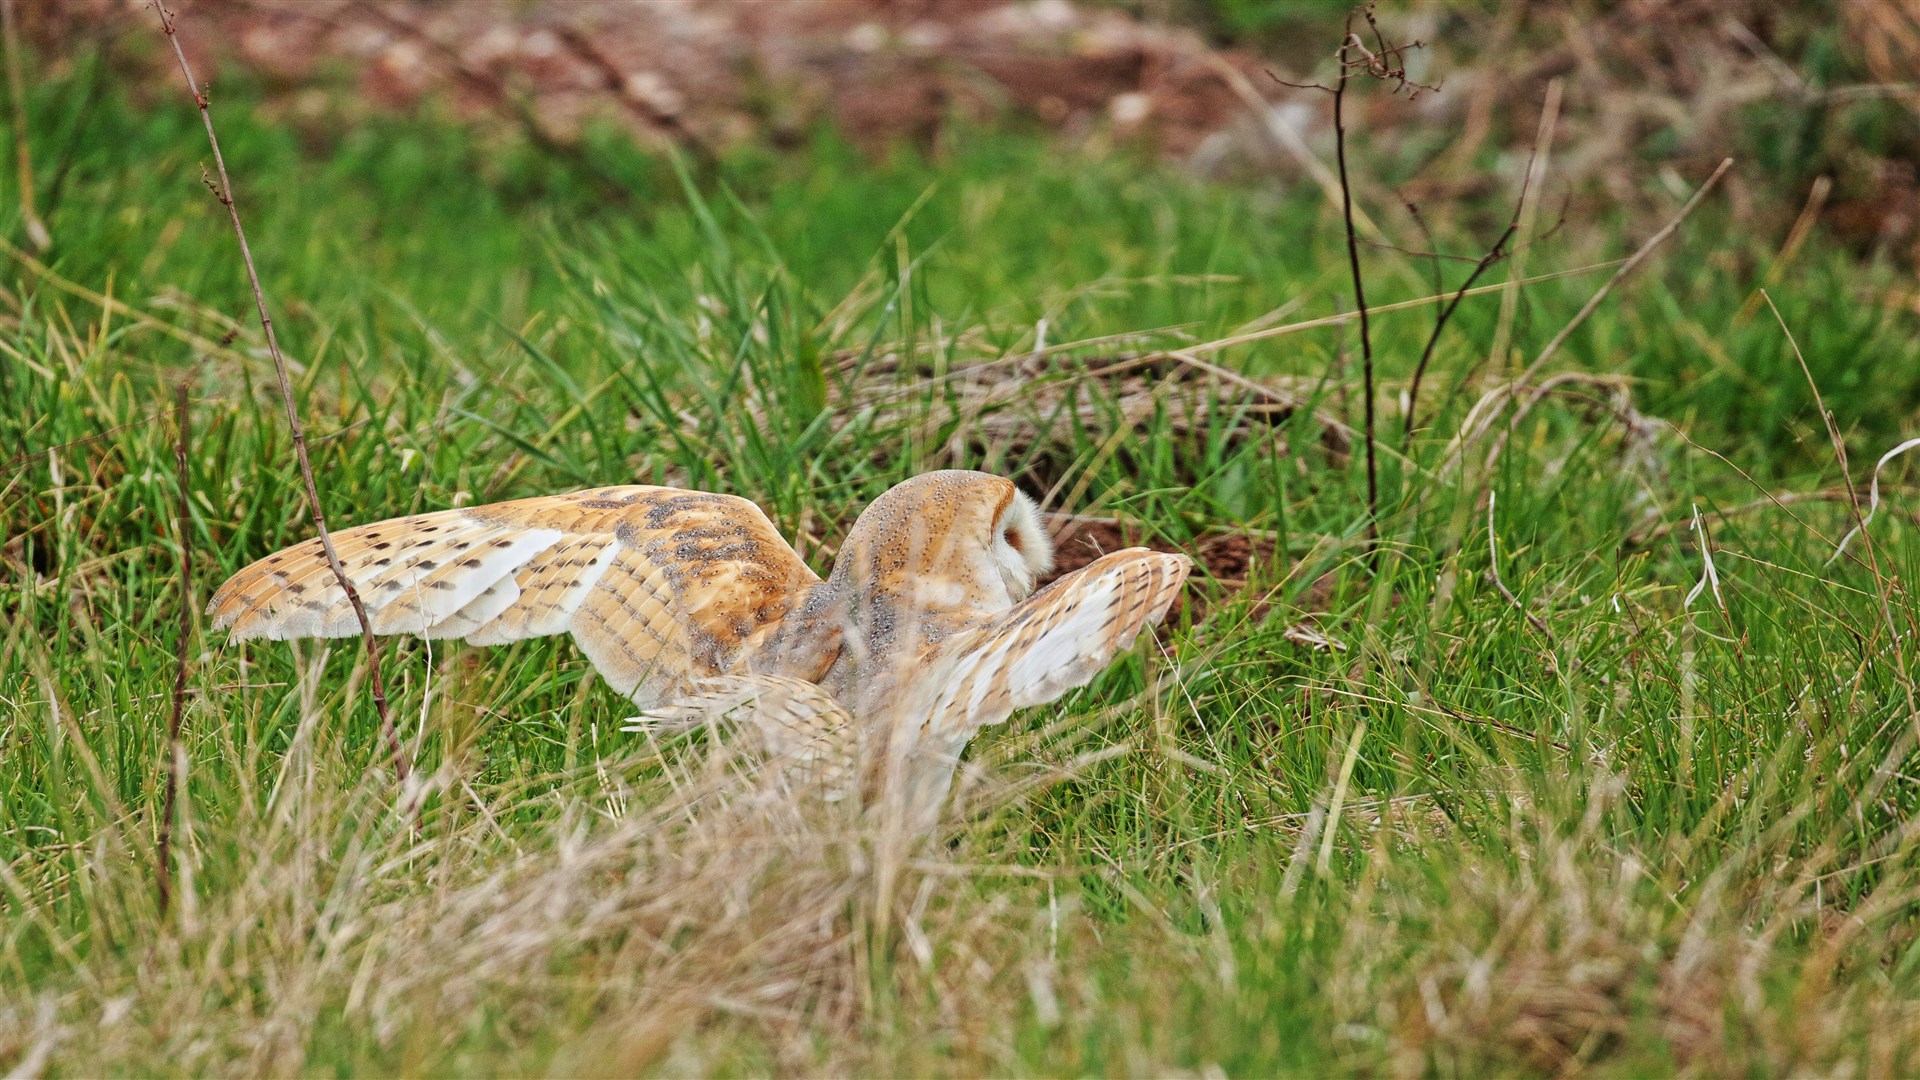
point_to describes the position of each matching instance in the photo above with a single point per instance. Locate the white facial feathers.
(1021, 548)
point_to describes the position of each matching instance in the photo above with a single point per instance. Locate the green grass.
(1642, 835)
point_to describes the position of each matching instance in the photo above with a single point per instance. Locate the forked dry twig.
(1385, 62)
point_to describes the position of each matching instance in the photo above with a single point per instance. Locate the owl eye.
(1012, 537)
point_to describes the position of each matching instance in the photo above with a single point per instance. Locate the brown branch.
(1359, 283)
(176, 753)
(1498, 252)
(224, 193)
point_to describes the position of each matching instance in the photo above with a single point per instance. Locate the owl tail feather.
(800, 725)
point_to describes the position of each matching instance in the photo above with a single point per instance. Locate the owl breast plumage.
(692, 605)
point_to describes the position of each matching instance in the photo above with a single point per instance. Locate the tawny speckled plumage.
(693, 605)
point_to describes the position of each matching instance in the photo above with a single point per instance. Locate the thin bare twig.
(1493, 255)
(176, 752)
(224, 193)
(1359, 286)
(1385, 62)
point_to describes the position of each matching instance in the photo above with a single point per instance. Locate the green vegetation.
(1601, 822)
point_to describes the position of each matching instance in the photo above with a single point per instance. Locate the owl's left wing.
(1055, 640)
(660, 587)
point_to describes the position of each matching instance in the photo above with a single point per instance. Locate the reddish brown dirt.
(1225, 556)
(1223, 560)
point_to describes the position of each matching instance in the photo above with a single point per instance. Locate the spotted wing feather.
(661, 587)
(1055, 640)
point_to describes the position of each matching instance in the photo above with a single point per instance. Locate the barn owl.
(693, 606)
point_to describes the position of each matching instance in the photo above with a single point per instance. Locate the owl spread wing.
(804, 730)
(661, 587)
(1055, 640)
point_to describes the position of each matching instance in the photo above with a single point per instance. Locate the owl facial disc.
(1021, 548)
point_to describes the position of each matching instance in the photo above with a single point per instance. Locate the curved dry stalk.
(1479, 418)
(1784, 499)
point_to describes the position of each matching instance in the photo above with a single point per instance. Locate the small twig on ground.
(176, 752)
(224, 192)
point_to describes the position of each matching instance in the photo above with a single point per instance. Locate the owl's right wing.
(661, 587)
(1053, 641)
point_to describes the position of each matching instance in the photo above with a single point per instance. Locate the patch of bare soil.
(1223, 561)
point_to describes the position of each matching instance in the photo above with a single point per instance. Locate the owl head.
(945, 541)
